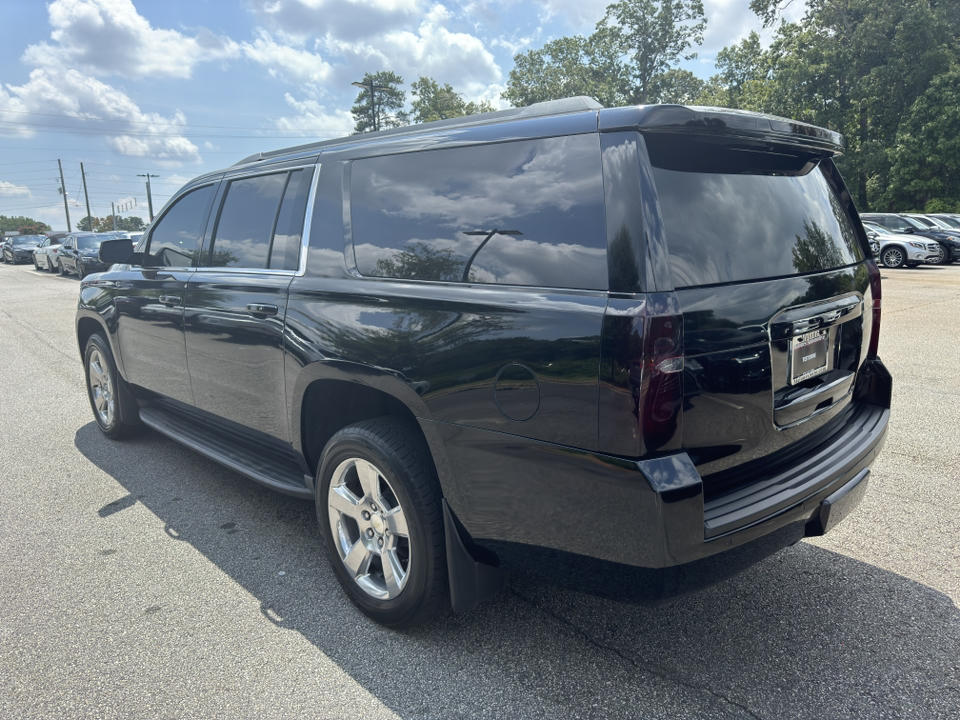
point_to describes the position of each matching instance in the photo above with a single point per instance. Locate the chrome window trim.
(307, 222)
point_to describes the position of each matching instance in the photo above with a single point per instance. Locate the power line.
(146, 122)
(39, 128)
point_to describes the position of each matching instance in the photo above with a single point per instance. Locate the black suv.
(630, 350)
(898, 223)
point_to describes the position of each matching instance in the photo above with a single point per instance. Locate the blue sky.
(176, 88)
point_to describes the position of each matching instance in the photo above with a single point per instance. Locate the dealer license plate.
(808, 355)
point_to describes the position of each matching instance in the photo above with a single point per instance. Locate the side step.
(258, 461)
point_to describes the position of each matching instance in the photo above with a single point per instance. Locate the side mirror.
(909, 230)
(115, 251)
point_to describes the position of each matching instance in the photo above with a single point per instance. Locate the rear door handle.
(170, 300)
(265, 310)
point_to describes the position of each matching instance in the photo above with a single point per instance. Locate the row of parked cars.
(908, 240)
(75, 253)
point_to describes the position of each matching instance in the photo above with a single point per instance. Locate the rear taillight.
(662, 383)
(875, 308)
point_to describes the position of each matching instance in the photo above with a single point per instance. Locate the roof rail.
(579, 103)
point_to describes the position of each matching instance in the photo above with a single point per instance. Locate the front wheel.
(893, 257)
(378, 506)
(81, 271)
(103, 388)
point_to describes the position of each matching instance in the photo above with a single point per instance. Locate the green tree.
(433, 102)
(678, 86)
(858, 67)
(384, 109)
(925, 169)
(89, 224)
(16, 222)
(568, 67)
(653, 35)
(128, 224)
(743, 79)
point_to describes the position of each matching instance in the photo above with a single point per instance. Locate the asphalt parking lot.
(141, 580)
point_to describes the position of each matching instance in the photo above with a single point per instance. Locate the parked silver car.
(898, 250)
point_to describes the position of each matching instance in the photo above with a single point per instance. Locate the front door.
(150, 298)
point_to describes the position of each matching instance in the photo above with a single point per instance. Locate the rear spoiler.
(734, 124)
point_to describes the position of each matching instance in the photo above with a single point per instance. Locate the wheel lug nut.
(366, 515)
(369, 532)
(373, 507)
(380, 542)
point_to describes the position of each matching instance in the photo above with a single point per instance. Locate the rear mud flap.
(471, 582)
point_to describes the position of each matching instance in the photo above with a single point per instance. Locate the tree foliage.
(860, 67)
(653, 35)
(568, 67)
(433, 102)
(18, 223)
(384, 109)
(131, 223)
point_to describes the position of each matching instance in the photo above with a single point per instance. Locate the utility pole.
(149, 197)
(63, 191)
(373, 99)
(86, 197)
(113, 214)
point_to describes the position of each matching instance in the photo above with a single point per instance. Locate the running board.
(256, 461)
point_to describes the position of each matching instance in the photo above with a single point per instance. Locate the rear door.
(770, 275)
(236, 301)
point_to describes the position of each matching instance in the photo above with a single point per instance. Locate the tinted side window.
(285, 251)
(242, 235)
(518, 213)
(173, 241)
(750, 217)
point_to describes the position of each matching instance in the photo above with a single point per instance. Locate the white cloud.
(87, 100)
(314, 121)
(349, 20)
(455, 57)
(291, 63)
(110, 36)
(8, 189)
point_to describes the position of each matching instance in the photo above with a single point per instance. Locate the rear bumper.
(651, 530)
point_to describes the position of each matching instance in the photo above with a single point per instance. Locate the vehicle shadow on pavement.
(806, 634)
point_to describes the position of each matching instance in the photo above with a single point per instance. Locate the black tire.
(61, 269)
(51, 265)
(893, 257)
(81, 272)
(398, 580)
(944, 256)
(36, 265)
(103, 388)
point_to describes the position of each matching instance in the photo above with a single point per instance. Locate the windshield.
(914, 223)
(89, 243)
(26, 240)
(937, 222)
(950, 222)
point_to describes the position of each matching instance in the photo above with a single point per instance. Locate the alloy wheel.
(369, 528)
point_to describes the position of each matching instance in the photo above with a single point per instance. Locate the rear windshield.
(737, 215)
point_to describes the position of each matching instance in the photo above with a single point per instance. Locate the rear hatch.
(772, 275)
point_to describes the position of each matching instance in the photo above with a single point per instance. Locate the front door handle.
(264, 310)
(170, 300)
